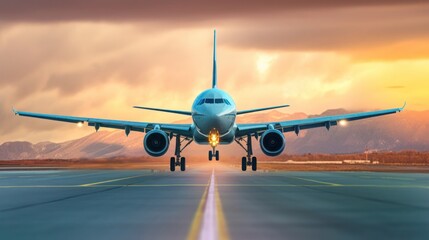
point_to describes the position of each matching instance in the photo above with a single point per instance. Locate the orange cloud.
(312, 58)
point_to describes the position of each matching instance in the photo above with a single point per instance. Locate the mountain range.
(408, 130)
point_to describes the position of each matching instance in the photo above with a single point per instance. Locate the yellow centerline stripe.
(109, 181)
(223, 227)
(194, 229)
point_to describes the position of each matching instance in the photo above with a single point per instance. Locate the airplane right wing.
(308, 123)
(128, 126)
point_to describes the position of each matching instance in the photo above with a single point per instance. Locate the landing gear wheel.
(182, 164)
(254, 163)
(210, 155)
(217, 155)
(172, 164)
(243, 164)
(249, 159)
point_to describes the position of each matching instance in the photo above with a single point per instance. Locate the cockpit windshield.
(214, 101)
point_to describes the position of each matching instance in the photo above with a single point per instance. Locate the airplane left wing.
(128, 126)
(301, 124)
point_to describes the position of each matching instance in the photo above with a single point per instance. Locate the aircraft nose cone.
(209, 122)
(213, 118)
(214, 121)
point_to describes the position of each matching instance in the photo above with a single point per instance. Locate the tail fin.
(214, 81)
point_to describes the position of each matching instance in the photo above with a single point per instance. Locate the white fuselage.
(214, 110)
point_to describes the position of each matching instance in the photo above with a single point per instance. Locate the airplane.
(214, 123)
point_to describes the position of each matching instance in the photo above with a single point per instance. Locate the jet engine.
(272, 142)
(156, 143)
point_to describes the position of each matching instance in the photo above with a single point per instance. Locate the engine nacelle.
(156, 143)
(272, 142)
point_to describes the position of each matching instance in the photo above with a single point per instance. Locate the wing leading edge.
(308, 123)
(128, 126)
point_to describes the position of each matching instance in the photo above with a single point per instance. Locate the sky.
(97, 58)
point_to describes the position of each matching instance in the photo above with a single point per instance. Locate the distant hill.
(95, 145)
(408, 130)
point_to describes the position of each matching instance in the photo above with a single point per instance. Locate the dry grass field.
(408, 161)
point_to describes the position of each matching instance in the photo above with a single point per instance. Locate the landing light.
(214, 137)
(343, 123)
(80, 124)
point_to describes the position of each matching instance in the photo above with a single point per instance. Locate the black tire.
(217, 155)
(243, 164)
(210, 155)
(182, 164)
(172, 164)
(254, 163)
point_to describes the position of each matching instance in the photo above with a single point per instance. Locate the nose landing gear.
(214, 154)
(179, 160)
(214, 139)
(248, 160)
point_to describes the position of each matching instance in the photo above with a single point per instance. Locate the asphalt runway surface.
(212, 202)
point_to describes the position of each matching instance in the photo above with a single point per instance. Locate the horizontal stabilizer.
(165, 110)
(260, 109)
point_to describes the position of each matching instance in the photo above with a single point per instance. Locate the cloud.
(101, 69)
(69, 57)
(54, 69)
(364, 29)
(350, 30)
(167, 10)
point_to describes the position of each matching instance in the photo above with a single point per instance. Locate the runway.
(212, 202)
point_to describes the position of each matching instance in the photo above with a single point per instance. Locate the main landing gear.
(248, 160)
(214, 139)
(179, 160)
(214, 154)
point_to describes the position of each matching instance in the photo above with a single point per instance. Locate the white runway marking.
(209, 228)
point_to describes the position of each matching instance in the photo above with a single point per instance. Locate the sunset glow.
(314, 57)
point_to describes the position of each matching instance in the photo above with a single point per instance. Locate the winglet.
(403, 107)
(214, 80)
(15, 111)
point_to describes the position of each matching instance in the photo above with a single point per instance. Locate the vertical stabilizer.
(214, 81)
